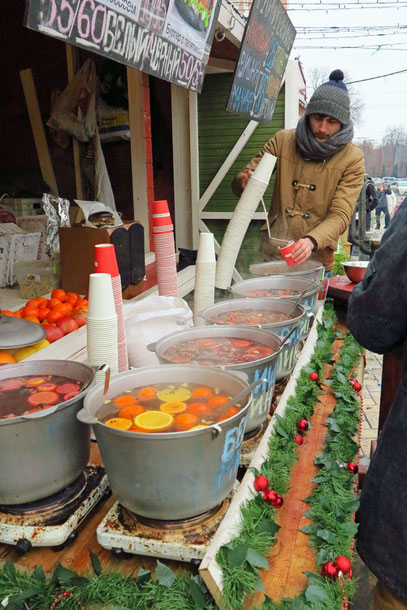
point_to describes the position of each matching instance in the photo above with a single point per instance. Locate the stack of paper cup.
(204, 292)
(239, 223)
(163, 235)
(106, 262)
(101, 324)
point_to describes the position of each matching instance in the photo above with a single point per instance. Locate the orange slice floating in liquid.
(153, 421)
(120, 423)
(131, 411)
(172, 394)
(173, 407)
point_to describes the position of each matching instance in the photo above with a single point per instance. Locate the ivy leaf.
(197, 594)
(340, 377)
(68, 578)
(281, 431)
(256, 559)
(316, 595)
(267, 526)
(307, 499)
(339, 334)
(143, 576)
(299, 604)
(327, 535)
(315, 579)
(238, 555)
(165, 575)
(260, 586)
(323, 556)
(350, 528)
(307, 529)
(96, 565)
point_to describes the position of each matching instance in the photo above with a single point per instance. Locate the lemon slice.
(173, 407)
(199, 426)
(174, 395)
(120, 423)
(153, 421)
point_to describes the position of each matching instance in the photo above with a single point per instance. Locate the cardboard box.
(15, 245)
(33, 224)
(77, 254)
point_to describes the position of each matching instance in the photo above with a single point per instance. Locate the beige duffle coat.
(311, 198)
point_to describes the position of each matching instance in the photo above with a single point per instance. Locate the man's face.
(323, 126)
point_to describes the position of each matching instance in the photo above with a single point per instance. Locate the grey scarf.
(311, 149)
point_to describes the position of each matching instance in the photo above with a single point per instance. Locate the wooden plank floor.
(75, 556)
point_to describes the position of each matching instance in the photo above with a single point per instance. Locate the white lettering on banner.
(231, 451)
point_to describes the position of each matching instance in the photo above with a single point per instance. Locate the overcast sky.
(385, 99)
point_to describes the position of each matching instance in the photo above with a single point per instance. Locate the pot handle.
(85, 417)
(310, 315)
(103, 368)
(151, 346)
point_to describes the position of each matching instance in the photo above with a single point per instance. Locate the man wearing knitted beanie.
(319, 177)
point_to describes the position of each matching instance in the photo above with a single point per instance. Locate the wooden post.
(72, 68)
(40, 139)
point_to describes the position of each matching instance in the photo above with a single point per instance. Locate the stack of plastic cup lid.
(204, 291)
(106, 262)
(101, 323)
(163, 235)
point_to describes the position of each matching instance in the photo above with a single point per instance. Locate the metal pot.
(309, 299)
(265, 368)
(306, 271)
(169, 475)
(43, 452)
(287, 357)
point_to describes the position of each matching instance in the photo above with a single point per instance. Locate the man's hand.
(302, 250)
(240, 181)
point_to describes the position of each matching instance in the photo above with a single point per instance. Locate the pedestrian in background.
(382, 206)
(372, 200)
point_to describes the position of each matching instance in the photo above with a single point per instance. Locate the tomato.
(30, 311)
(81, 302)
(63, 308)
(71, 301)
(53, 302)
(44, 304)
(43, 313)
(58, 293)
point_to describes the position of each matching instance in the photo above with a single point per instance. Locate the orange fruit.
(19, 313)
(43, 313)
(34, 319)
(58, 293)
(34, 381)
(43, 398)
(71, 301)
(119, 423)
(199, 426)
(6, 358)
(6, 312)
(64, 308)
(173, 407)
(153, 421)
(125, 400)
(131, 411)
(229, 413)
(202, 393)
(147, 393)
(53, 316)
(81, 302)
(44, 304)
(185, 421)
(197, 408)
(217, 401)
(52, 302)
(30, 311)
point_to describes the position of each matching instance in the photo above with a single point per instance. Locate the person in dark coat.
(371, 201)
(382, 206)
(377, 317)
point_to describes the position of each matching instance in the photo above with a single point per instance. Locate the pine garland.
(331, 505)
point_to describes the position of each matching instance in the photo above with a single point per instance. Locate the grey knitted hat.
(331, 98)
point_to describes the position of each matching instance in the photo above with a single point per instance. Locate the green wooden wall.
(219, 131)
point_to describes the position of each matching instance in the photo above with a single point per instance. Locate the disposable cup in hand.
(286, 253)
(101, 302)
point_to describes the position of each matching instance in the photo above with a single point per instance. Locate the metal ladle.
(289, 312)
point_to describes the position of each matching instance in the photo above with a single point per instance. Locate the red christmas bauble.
(333, 327)
(329, 570)
(270, 497)
(261, 483)
(314, 376)
(279, 502)
(299, 439)
(356, 385)
(352, 467)
(302, 425)
(343, 564)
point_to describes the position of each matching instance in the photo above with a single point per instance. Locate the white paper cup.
(265, 168)
(101, 302)
(206, 248)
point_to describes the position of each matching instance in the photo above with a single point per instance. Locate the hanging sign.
(268, 39)
(170, 39)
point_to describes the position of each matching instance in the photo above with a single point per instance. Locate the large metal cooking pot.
(287, 357)
(43, 452)
(263, 368)
(306, 271)
(279, 282)
(169, 475)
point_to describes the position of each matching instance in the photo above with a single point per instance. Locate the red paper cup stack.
(163, 235)
(105, 262)
(101, 323)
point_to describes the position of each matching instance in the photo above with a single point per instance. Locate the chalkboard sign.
(170, 39)
(266, 46)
